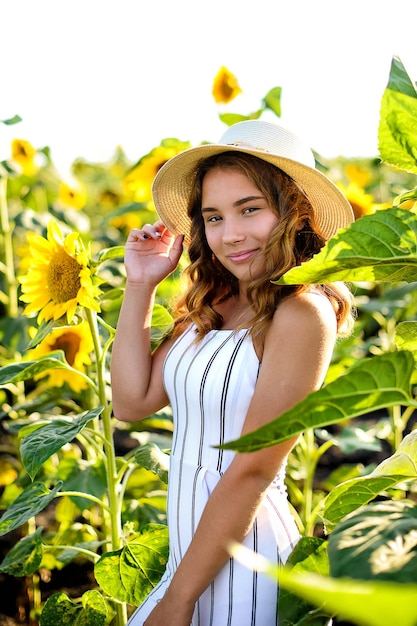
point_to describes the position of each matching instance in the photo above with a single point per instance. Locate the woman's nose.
(232, 233)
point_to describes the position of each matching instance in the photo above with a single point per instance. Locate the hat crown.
(267, 137)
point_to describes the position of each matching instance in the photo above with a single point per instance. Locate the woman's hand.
(151, 253)
(172, 613)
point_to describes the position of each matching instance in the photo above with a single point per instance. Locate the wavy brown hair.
(210, 283)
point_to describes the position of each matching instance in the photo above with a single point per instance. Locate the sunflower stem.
(11, 286)
(114, 501)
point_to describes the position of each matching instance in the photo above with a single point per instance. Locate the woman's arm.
(297, 352)
(151, 254)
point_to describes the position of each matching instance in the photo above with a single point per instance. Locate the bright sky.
(89, 75)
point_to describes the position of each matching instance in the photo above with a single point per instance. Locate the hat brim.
(172, 186)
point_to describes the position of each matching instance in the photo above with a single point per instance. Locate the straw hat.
(269, 142)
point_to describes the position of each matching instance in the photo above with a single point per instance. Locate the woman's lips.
(241, 257)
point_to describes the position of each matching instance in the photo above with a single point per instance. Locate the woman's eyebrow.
(248, 199)
(236, 203)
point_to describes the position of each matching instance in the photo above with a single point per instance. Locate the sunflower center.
(63, 277)
(70, 344)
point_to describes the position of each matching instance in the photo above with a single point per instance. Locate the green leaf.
(13, 333)
(151, 457)
(403, 461)
(131, 573)
(111, 253)
(397, 132)
(370, 385)
(60, 609)
(378, 247)
(12, 120)
(42, 332)
(354, 493)
(91, 480)
(28, 504)
(404, 197)
(376, 542)
(25, 557)
(364, 603)
(399, 80)
(24, 370)
(6, 169)
(40, 444)
(162, 322)
(405, 337)
(232, 118)
(273, 100)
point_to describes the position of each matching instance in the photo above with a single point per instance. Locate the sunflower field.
(83, 535)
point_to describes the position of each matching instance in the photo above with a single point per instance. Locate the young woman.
(243, 350)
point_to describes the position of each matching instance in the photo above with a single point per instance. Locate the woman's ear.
(300, 225)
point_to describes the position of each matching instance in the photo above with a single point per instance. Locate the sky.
(88, 76)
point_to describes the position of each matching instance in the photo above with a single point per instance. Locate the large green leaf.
(397, 133)
(25, 557)
(28, 504)
(378, 247)
(41, 443)
(60, 609)
(131, 573)
(378, 541)
(372, 384)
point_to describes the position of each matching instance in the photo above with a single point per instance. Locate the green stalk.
(114, 501)
(11, 285)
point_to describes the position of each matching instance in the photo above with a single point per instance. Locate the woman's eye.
(251, 209)
(213, 218)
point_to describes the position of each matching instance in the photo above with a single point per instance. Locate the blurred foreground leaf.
(364, 603)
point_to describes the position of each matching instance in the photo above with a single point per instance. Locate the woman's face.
(238, 222)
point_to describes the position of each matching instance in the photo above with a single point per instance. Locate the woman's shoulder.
(309, 311)
(309, 301)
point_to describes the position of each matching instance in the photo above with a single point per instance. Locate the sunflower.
(225, 86)
(77, 344)
(360, 176)
(362, 203)
(59, 277)
(24, 154)
(138, 182)
(69, 196)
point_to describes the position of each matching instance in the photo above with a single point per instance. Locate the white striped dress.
(210, 385)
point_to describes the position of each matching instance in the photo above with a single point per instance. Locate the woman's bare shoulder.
(311, 306)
